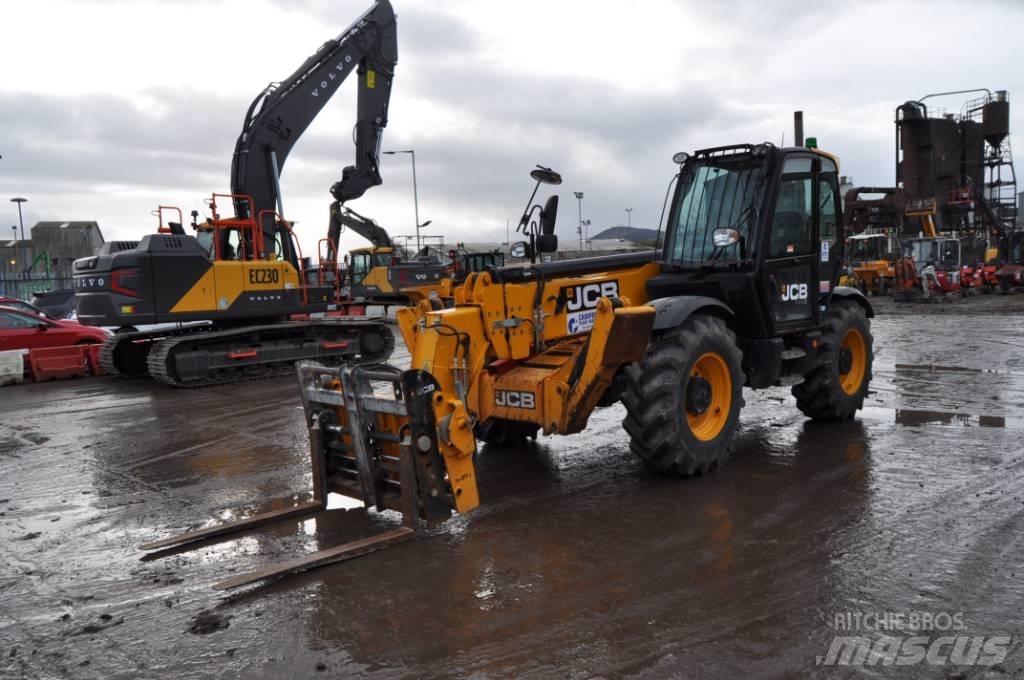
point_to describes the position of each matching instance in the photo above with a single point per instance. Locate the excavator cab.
(363, 261)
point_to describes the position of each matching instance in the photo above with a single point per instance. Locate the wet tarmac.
(581, 561)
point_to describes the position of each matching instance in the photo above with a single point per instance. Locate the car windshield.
(13, 320)
(23, 306)
(718, 193)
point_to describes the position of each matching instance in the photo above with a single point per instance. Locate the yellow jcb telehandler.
(743, 293)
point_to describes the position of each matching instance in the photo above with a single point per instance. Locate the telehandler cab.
(743, 293)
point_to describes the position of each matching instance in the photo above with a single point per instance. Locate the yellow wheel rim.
(853, 343)
(709, 422)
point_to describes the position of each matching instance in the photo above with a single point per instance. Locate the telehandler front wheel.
(834, 389)
(683, 399)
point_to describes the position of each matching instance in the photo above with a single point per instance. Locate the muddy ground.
(580, 563)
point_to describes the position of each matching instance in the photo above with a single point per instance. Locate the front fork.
(370, 417)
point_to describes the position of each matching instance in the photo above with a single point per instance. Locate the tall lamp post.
(14, 251)
(579, 230)
(415, 193)
(19, 201)
(629, 217)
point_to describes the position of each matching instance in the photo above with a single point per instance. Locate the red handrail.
(161, 229)
(242, 224)
(332, 259)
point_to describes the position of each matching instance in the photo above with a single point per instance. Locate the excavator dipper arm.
(277, 118)
(364, 226)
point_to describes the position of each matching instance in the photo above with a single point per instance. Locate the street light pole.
(19, 201)
(14, 249)
(415, 191)
(579, 230)
(629, 217)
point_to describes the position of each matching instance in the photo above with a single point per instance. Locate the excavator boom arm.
(279, 116)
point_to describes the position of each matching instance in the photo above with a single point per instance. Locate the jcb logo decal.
(257, 276)
(794, 291)
(510, 399)
(587, 295)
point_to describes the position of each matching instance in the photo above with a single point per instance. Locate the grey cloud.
(110, 139)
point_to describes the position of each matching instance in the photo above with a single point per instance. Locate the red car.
(23, 330)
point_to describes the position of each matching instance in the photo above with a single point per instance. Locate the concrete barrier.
(12, 367)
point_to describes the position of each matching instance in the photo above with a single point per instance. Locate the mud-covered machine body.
(743, 293)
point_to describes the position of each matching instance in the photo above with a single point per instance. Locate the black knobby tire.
(821, 395)
(656, 397)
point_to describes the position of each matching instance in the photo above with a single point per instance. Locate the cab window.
(828, 195)
(360, 266)
(205, 239)
(794, 214)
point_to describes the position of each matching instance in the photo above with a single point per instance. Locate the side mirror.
(43, 326)
(724, 238)
(548, 215)
(519, 249)
(547, 243)
(546, 175)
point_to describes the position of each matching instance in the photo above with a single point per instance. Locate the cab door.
(829, 212)
(792, 259)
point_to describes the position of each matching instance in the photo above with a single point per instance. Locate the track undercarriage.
(203, 355)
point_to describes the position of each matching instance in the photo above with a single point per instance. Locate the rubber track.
(107, 349)
(160, 354)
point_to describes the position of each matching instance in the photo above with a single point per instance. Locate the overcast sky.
(109, 108)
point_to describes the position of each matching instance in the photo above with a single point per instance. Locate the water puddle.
(937, 368)
(915, 417)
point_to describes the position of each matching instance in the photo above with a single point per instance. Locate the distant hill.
(635, 234)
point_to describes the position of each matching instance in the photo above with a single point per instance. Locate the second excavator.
(244, 275)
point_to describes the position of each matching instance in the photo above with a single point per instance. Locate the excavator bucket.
(372, 436)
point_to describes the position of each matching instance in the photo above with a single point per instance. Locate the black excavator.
(378, 274)
(244, 275)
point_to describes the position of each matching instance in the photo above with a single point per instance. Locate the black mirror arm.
(528, 210)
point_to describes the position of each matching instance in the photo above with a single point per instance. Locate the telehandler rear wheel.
(683, 400)
(835, 388)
